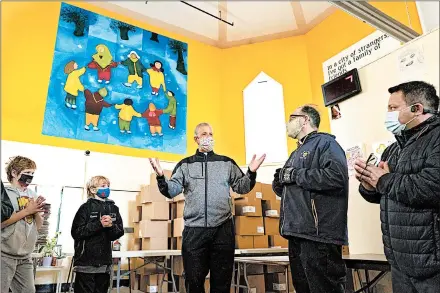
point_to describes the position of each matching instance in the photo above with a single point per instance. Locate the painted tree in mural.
(154, 37)
(79, 17)
(179, 48)
(123, 28)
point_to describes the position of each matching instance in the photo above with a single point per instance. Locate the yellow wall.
(215, 83)
(28, 31)
(339, 31)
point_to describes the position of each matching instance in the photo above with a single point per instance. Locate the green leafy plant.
(48, 249)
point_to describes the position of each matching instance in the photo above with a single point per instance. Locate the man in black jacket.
(407, 185)
(208, 242)
(313, 185)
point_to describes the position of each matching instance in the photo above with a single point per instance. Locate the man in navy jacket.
(313, 185)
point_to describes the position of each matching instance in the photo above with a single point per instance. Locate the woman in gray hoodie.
(19, 232)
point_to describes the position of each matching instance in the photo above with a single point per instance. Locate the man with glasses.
(313, 185)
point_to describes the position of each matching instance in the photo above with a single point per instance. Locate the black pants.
(316, 267)
(91, 283)
(208, 250)
(407, 284)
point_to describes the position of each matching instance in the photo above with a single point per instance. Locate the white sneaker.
(95, 128)
(68, 105)
(128, 131)
(107, 81)
(153, 134)
(87, 127)
(127, 84)
(160, 134)
(100, 81)
(73, 106)
(139, 86)
(122, 131)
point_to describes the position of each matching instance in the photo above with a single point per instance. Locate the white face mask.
(294, 127)
(393, 124)
(206, 143)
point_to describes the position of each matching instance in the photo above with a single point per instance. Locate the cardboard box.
(134, 243)
(254, 194)
(248, 206)
(180, 197)
(272, 226)
(153, 177)
(135, 281)
(151, 193)
(257, 284)
(244, 242)
(180, 206)
(156, 211)
(154, 243)
(148, 229)
(276, 282)
(136, 230)
(261, 241)
(345, 250)
(249, 226)
(271, 208)
(278, 241)
(170, 229)
(134, 212)
(138, 199)
(178, 225)
(178, 265)
(268, 193)
(151, 283)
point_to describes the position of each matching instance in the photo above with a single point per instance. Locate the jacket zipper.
(206, 190)
(315, 216)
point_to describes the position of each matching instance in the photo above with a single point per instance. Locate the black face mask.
(25, 179)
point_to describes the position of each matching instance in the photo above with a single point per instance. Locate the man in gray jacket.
(208, 242)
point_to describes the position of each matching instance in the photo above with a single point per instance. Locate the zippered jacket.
(315, 206)
(91, 240)
(205, 180)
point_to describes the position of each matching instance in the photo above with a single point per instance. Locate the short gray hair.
(196, 130)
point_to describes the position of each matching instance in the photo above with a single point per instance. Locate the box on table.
(135, 281)
(244, 242)
(151, 193)
(272, 226)
(271, 208)
(277, 282)
(249, 226)
(277, 241)
(155, 243)
(255, 193)
(149, 228)
(248, 206)
(178, 225)
(268, 193)
(134, 243)
(261, 241)
(134, 212)
(156, 211)
(257, 283)
(178, 265)
(136, 230)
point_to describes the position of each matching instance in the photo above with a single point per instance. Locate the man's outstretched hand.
(155, 164)
(255, 164)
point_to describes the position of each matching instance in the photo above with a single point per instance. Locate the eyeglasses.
(295, 116)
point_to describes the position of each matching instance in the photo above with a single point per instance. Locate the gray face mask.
(206, 143)
(294, 128)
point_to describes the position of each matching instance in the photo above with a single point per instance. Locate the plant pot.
(59, 262)
(47, 261)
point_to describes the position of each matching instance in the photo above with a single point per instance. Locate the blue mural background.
(79, 33)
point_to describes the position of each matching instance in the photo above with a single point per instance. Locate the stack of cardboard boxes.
(257, 218)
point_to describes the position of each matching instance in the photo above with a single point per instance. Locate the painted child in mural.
(103, 62)
(94, 105)
(126, 115)
(152, 115)
(171, 109)
(73, 83)
(157, 77)
(135, 69)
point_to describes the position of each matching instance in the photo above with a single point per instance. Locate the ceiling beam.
(376, 18)
(298, 14)
(222, 27)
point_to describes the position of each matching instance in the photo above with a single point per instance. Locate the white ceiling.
(254, 21)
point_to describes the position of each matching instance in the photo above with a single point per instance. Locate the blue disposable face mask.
(393, 124)
(103, 192)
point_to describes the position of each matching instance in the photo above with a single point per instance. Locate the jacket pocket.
(315, 216)
(197, 170)
(7, 232)
(437, 235)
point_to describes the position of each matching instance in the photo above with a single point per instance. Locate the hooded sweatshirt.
(18, 239)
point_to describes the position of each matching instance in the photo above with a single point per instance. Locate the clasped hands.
(369, 175)
(106, 221)
(286, 175)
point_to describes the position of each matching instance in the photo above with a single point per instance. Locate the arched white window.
(264, 120)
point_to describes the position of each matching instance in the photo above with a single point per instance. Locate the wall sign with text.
(367, 50)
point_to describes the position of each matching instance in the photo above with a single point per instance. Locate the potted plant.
(48, 250)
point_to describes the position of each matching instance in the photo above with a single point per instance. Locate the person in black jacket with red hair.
(313, 185)
(96, 224)
(406, 184)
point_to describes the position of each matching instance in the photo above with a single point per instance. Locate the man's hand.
(255, 164)
(276, 176)
(369, 174)
(287, 175)
(34, 206)
(155, 164)
(106, 221)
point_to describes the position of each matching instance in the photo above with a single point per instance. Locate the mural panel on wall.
(114, 83)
